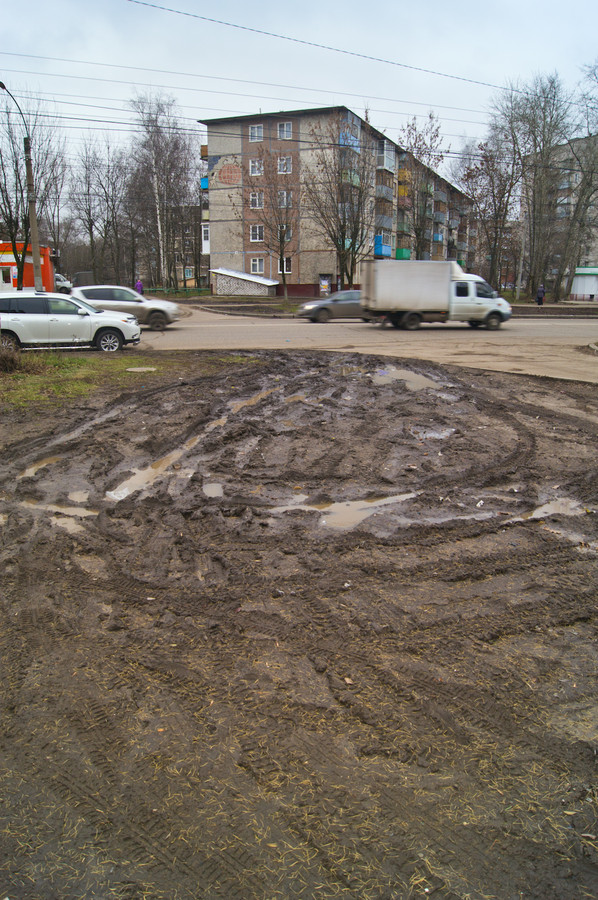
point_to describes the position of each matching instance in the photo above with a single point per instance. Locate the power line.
(288, 87)
(284, 37)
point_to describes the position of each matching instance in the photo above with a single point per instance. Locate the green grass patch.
(39, 380)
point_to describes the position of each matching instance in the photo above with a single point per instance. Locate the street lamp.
(37, 266)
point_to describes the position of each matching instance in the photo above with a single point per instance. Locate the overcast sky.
(87, 60)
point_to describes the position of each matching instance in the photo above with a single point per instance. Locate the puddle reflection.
(33, 469)
(413, 381)
(348, 513)
(145, 477)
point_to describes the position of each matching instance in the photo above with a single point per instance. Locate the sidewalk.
(568, 308)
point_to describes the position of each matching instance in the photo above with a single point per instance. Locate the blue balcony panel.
(381, 249)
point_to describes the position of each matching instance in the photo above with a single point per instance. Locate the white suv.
(30, 319)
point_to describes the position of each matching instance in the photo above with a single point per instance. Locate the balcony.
(462, 246)
(439, 217)
(386, 158)
(384, 222)
(440, 195)
(384, 192)
(438, 237)
(402, 253)
(380, 248)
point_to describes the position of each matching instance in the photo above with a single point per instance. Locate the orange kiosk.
(8, 267)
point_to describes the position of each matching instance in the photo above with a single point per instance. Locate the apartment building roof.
(277, 115)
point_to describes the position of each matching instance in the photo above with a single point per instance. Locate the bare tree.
(85, 201)
(338, 190)
(537, 119)
(577, 209)
(423, 154)
(490, 175)
(48, 170)
(271, 202)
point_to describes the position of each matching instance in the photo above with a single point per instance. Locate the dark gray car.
(342, 305)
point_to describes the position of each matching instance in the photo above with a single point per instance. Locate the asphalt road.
(556, 347)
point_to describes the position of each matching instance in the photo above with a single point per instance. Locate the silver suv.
(30, 319)
(155, 313)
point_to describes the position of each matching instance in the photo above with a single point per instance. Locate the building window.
(256, 133)
(188, 272)
(285, 199)
(286, 232)
(257, 266)
(205, 233)
(285, 131)
(287, 265)
(256, 233)
(256, 166)
(285, 165)
(256, 200)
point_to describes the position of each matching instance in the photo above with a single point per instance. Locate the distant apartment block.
(290, 142)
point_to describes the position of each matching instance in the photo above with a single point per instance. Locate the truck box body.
(412, 292)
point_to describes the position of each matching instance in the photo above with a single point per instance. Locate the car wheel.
(323, 316)
(493, 322)
(109, 340)
(9, 341)
(411, 322)
(63, 290)
(157, 321)
(473, 323)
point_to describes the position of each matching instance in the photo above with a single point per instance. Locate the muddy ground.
(314, 626)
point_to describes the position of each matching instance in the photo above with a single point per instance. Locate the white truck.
(411, 292)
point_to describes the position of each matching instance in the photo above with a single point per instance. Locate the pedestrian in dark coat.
(540, 295)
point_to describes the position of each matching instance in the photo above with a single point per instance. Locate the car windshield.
(86, 306)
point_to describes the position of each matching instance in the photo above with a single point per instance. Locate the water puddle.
(237, 405)
(217, 423)
(33, 469)
(70, 525)
(413, 381)
(79, 496)
(348, 513)
(76, 511)
(143, 478)
(213, 489)
(561, 507)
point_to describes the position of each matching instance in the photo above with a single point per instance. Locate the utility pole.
(37, 266)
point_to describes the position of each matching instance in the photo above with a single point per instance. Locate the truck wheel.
(109, 340)
(493, 321)
(411, 322)
(474, 323)
(323, 316)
